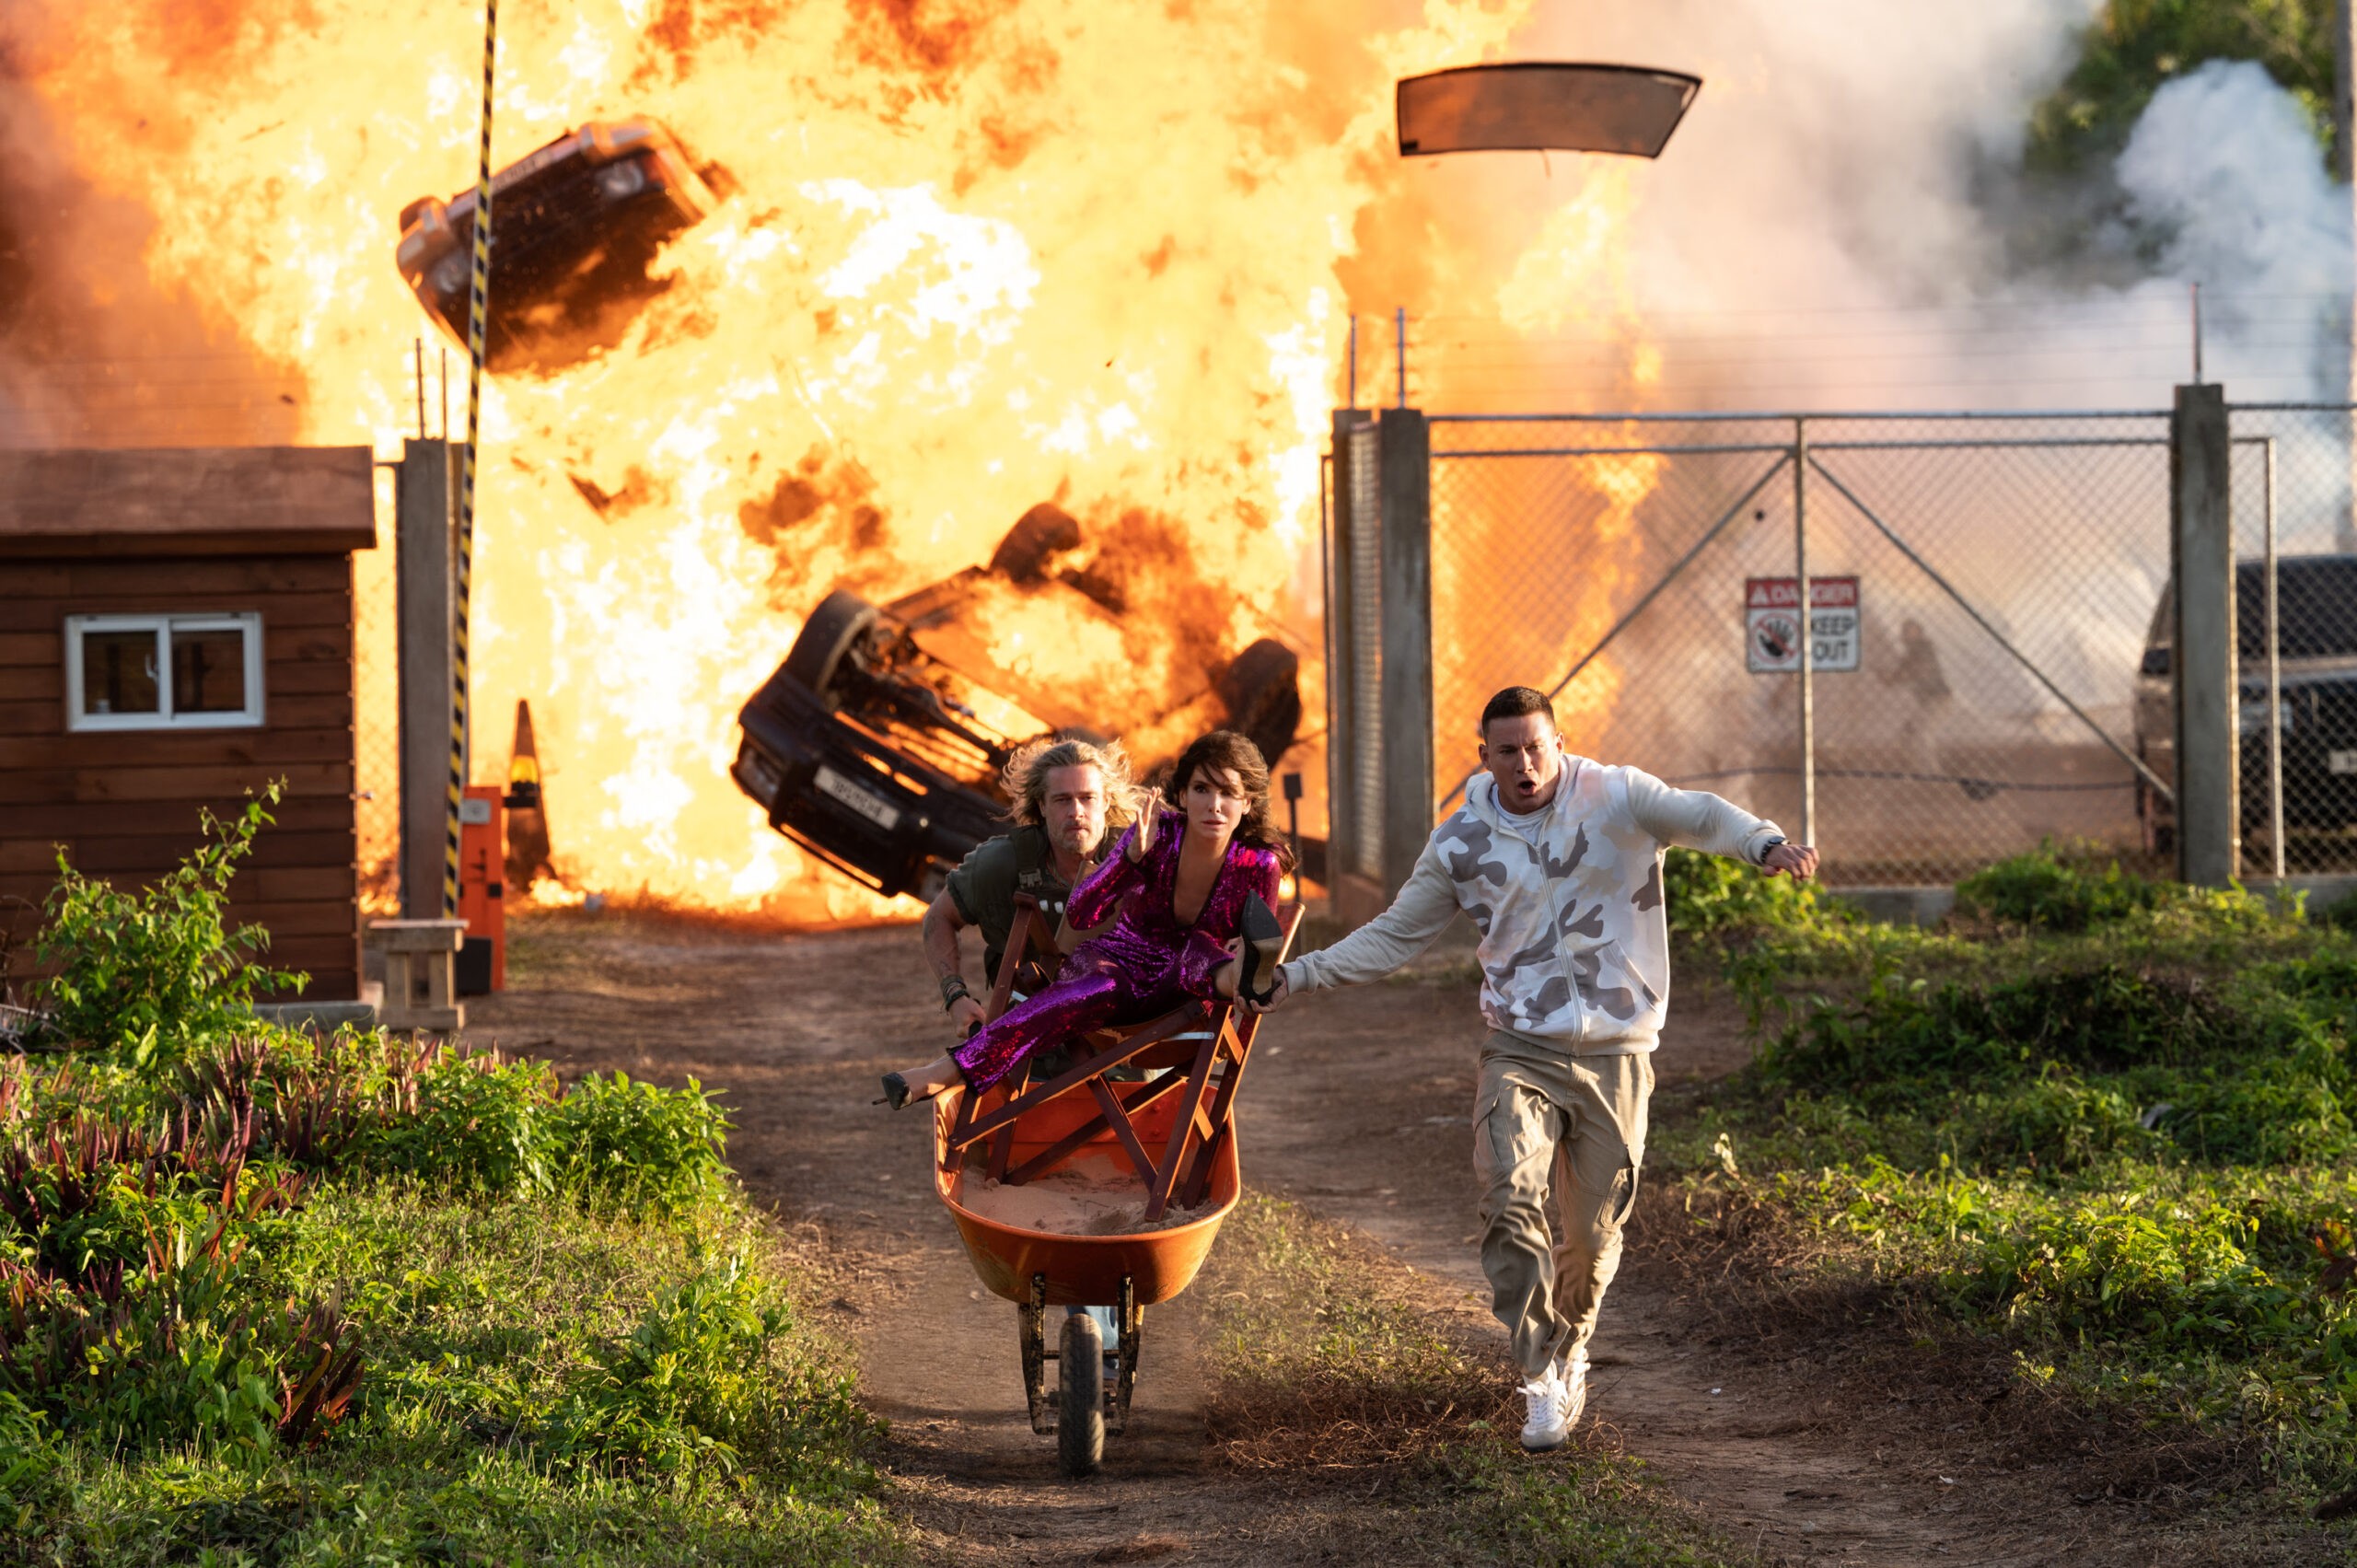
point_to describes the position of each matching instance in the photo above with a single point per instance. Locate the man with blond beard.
(1068, 796)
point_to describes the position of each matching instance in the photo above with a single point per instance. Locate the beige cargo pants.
(1579, 1123)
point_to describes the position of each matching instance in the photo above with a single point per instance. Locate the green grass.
(535, 1390)
(596, 1370)
(1328, 1367)
(2108, 1119)
(267, 1299)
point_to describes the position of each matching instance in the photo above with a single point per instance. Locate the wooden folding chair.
(1206, 1111)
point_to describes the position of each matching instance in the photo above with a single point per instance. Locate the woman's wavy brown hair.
(1225, 748)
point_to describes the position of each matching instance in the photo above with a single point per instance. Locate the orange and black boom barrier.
(478, 302)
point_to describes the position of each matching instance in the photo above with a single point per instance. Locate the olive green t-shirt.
(984, 885)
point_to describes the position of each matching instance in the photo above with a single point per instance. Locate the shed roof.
(187, 501)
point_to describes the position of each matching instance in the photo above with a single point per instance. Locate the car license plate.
(866, 802)
(524, 169)
(2342, 762)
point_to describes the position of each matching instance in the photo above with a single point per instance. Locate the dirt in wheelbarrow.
(1759, 1443)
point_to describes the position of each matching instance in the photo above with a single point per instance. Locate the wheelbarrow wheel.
(1080, 1413)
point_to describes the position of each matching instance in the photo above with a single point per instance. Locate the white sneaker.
(1550, 1423)
(1573, 1377)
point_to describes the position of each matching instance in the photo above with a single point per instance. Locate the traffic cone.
(528, 824)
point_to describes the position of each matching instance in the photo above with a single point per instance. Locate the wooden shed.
(176, 630)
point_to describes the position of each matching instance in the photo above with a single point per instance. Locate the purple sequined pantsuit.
(1144, 967)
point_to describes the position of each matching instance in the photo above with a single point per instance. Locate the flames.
(980, 255)
(1577, 270)
(1573, 273)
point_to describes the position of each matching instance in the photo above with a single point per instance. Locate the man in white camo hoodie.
(1558, 861)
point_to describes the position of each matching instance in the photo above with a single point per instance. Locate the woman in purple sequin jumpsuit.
(1203, 860)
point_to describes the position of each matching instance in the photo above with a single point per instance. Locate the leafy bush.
(2049, 892)
(2107, 1017)
(2065, 891)
(178, 1350)
(266, 1297)
(472, 1119)
(132, 1201)
(2272, 1112)
(638, 1145)
(25, 1455)
(156, 972)
(1708, 894)
(496, 1126)
(2058, 1121)
(2114, 1121)
(2237, 1072)
(685, 1388)
(492, 1331)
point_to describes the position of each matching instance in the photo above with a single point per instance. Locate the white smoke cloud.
(2223, 165)
(1842, 220)
(1827, 180)
(1831, 157)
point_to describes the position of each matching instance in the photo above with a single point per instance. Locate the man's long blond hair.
(1025, 779)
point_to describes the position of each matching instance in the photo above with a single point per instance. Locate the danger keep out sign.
(1771, 630)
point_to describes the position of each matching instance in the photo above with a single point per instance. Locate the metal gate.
(1984, 589)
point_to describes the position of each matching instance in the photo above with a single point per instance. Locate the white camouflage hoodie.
(1574, 942)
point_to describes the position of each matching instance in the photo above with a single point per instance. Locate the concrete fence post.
(424, 579)
(2202, 562)
(1354, 675)
(1407, 642)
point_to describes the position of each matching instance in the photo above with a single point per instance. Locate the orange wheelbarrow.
(1167, 1125)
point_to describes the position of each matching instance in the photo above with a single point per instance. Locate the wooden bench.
(421, 973)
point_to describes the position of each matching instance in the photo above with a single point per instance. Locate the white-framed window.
(163, 672)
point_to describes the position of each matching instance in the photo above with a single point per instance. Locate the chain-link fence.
(1984, 590)
(2291, 498)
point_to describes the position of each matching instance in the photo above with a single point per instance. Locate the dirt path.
(1358, 1110)
(796, 1032)
(1743, 1439)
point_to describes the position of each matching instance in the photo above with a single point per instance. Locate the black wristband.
(952, 988)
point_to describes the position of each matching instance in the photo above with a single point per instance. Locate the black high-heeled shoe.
(1264, 939)
(896, 1093)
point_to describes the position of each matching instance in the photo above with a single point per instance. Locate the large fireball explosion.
(976, 256)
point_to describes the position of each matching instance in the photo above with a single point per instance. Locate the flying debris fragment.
(574, 227)
(1532, 105)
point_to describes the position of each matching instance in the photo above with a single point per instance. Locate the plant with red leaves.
(312, 1403)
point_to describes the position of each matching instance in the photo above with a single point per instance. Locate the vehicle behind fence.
(2291, 489)
(1988, 665)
